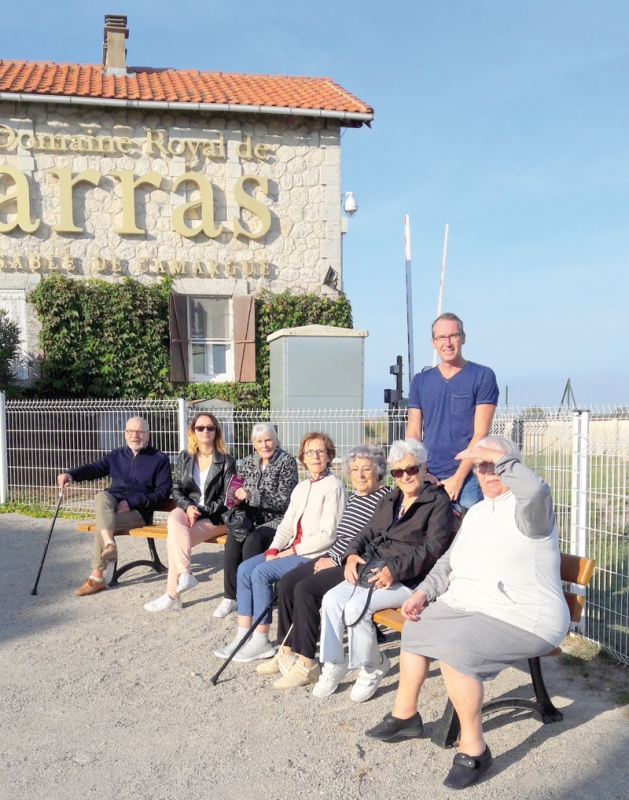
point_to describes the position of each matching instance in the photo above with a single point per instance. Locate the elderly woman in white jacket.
(498, 600)
(307, 531)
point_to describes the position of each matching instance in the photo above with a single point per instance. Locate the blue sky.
(508, 120)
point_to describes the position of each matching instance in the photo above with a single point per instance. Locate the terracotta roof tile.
(184, 86)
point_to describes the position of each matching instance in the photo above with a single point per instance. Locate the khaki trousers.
(108, 520)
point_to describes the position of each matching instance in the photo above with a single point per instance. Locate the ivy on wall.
(106, 340)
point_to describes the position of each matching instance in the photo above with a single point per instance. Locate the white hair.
(494, 442)
(261, 429)
(373, 452)
(145, 425)
(407, 447)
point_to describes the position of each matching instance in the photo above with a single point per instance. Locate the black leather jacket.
(186, 492)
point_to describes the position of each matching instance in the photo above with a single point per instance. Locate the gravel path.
(101, 699)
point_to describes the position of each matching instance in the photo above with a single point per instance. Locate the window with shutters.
(210, 331)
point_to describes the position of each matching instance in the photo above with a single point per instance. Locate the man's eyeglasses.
(208, 428)
(314, 453)
(136, 433)
(454, 336)
(397, 473)
(484, 467)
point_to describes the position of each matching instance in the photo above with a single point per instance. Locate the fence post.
(4, 460)
(182, 420)
(579, 500)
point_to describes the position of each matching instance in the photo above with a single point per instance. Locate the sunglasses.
(397, 473)
(208, 428)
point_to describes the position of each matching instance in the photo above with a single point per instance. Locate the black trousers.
(257, 542)
(300, 593)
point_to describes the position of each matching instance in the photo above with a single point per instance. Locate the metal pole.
(182, 421)
(409, 298)
(443, 275)
(4, 460)
(579, 509)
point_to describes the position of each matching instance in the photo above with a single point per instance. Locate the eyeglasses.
(454, 336)
(313, 453)
(208, 428)
(484, 467)
(397, 473)
(136, 433)
(362, 471)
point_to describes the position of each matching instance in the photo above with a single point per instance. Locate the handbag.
(238, 523)
(364, 573)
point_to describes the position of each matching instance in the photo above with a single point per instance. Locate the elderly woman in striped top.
(301, 590)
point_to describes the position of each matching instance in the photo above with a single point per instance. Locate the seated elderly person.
(301, 590)
(140, 482)
(410, 529)
(307, 531)
(269, 475)
(202, 475)
(499, 600)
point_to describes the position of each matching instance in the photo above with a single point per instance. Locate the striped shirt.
(358, 513)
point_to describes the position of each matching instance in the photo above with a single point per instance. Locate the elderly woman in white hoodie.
(307, 531)
(498, 597)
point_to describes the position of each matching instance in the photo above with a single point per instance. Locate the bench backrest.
(577, 570)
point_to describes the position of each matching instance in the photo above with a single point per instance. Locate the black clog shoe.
(392, 729)
(466, 770)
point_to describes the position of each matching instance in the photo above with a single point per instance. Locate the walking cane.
(54, 519)
(245, 638)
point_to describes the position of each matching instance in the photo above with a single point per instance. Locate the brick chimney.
(114, 50)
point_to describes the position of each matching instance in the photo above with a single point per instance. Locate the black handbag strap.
(363, 612)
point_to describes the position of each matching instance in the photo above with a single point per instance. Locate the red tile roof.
(181, 86)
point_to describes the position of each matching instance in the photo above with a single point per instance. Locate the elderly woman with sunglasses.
(498, 597)
(269, 476)
(202, 475)
(307, 531)
(411, 528)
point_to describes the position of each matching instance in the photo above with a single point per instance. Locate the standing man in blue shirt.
(450, 408)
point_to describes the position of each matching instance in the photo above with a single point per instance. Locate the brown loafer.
(110, 553)
(90, 587)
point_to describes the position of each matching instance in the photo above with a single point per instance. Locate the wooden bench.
(575, 570)
(150, 533)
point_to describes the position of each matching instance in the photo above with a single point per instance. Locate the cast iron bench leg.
(113, 573)
(447, 730)
(545, 704)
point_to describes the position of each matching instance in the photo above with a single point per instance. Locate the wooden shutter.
(178, 323)
(245, 338)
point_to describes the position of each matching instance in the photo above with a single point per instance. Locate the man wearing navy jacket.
(141, 479)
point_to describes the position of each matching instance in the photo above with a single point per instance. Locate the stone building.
(229, 183)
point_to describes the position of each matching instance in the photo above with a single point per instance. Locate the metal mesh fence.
(583, 456)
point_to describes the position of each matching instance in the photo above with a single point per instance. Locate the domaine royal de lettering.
(227, 183)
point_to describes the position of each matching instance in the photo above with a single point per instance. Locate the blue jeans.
(255, 580)
(470, 493)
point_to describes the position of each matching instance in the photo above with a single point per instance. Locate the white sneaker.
(369, 678)
(331, 676)
(225, 607)
(163, 603)
(252, 651)
(225, 652)
(187, 581)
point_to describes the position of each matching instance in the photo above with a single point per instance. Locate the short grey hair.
(407, 447)
(145, 424)
(494, 442)
(261, 429)
(373, 452)
(447, 315)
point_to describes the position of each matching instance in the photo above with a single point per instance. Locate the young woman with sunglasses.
(202, 475)
(410, 529)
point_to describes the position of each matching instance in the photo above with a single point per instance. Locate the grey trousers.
(108, 520)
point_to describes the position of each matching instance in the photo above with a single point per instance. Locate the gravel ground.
(101, 699)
